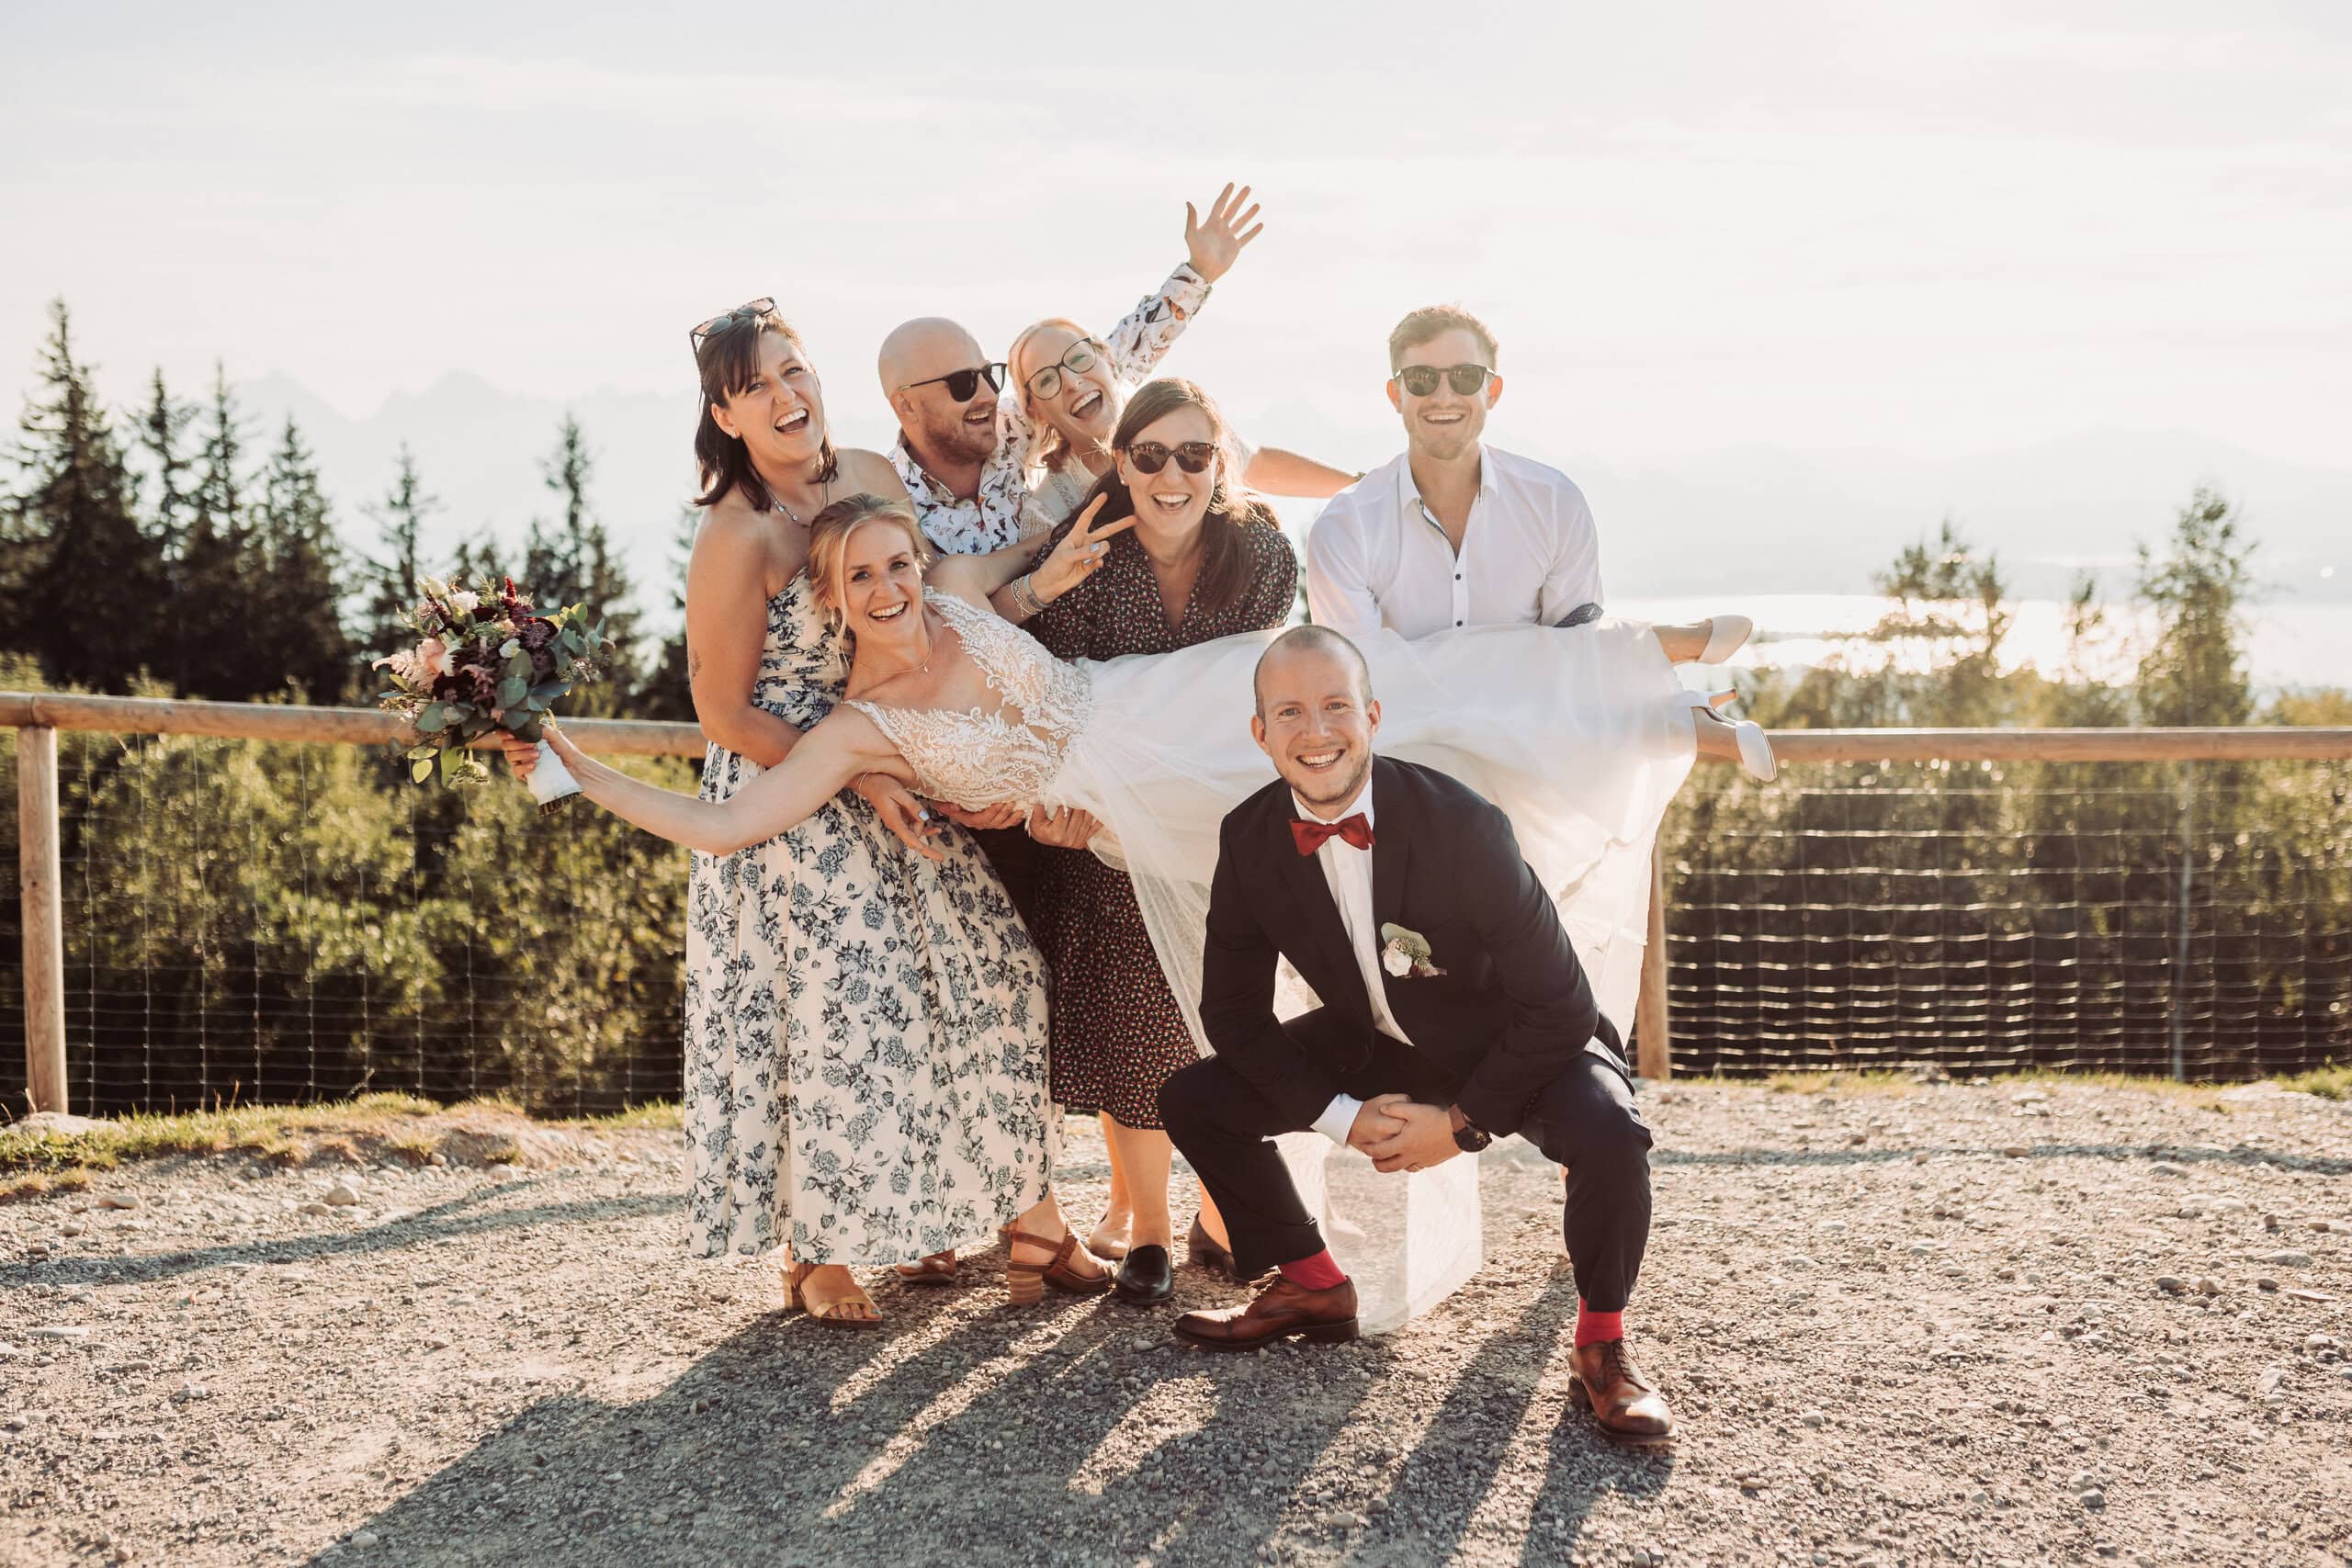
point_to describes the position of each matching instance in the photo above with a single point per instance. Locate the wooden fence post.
(1653, 1048)
(40, 879)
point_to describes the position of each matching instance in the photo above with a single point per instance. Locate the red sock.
(1320, 1272)
(1592, 1327)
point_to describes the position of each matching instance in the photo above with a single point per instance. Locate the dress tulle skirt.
(1580, 735)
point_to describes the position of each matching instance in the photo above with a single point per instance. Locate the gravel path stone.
(1947, 1324)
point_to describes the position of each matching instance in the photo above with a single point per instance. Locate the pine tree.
(2196, 671)
(389, 589)
(668, 691)
(87, 598)
(572, 563)
(302, 586)
(222, 571)
(170, 511)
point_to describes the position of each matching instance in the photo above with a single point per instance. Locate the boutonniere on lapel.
(1406, 953)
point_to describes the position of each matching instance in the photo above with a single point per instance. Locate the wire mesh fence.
(1988, 917)
(256, 921)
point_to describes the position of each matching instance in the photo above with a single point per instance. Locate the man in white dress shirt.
(1453, 532)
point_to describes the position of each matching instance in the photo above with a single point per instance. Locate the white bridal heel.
(1756, 757)
(1726, 635)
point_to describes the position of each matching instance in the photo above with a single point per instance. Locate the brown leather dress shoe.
(1627, 1406)
(1282, 1311)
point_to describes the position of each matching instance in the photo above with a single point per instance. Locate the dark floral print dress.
(1116, 1031)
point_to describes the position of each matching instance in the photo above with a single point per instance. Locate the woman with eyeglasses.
(864, 1082)
(1202, 560)
(1073, 399)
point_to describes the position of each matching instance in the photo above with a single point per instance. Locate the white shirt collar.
(1362, 803)
(1409, 493)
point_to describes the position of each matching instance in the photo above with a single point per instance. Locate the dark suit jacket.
(1512, 1011)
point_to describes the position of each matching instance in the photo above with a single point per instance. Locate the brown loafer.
(1283, 1311)
(1628, 1406)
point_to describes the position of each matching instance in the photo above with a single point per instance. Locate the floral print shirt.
(965, 525)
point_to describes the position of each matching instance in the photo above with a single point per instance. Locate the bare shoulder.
(735, 543)
(865, 472)
(852, 731)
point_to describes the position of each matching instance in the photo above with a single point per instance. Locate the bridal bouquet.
(488, 662)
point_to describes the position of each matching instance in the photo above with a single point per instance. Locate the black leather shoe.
(1202, 1251)
(1146, 1276)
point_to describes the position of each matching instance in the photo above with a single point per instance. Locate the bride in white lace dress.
(1581, 736)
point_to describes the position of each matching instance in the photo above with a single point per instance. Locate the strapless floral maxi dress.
(865, 1029)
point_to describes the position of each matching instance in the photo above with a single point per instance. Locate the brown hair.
(828, 536)
(1224, 559)
(1431, 320)
(727, 362)
(1047, 449)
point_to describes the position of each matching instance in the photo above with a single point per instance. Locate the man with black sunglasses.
(963, 441)
(1454, 532)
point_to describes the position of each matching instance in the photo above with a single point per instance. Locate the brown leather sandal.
(1025, 1283)
(795, 1299)
(935, 1268)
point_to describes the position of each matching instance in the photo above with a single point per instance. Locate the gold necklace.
(924, 666)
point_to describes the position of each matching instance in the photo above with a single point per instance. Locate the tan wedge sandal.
(933, 1269)
(795, 1299)
(1025, 1283)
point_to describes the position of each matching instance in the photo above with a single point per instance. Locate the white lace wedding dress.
(1579, 735)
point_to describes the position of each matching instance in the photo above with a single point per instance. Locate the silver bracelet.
(1024, 597)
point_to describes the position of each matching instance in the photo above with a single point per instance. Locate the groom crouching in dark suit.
(1455, 1012)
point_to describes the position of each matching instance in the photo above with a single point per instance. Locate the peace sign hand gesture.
(1079, 554)
(1214, 244)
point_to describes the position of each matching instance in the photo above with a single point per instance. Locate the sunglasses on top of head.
(962, 384)
(1420, 380)
(1150, 456)
(751, 311)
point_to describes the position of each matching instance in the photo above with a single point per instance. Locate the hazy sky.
(1932, 228)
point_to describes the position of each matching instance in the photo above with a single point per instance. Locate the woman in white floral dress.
(865, 1018)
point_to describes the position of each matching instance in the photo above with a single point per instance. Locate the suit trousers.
(1584, 1119)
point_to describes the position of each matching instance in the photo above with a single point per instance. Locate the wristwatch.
(1467, 1136)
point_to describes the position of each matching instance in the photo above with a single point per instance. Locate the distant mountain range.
(1766, 520)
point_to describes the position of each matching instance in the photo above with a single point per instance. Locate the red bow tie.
(1347, 830)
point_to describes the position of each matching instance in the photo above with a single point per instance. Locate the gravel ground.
(1993, 1323)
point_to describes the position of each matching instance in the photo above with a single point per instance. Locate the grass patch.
(654, 1115)
(41, 1183)
(2328, 1083)
(373, 1127)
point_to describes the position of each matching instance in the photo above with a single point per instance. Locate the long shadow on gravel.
(972, 1433)
(460, 1216)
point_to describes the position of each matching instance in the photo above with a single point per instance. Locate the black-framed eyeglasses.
(749, 311)
(962, 384)
(1150, 456)
(1420, 380)
(1077, 359)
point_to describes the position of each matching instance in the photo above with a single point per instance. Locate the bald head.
(1324, 657)
(923, 348)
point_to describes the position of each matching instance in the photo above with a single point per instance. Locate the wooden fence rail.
(38, 716)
